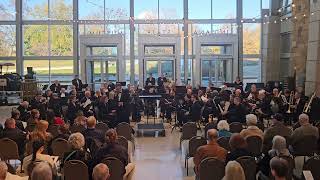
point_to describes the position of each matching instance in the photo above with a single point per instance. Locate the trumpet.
(290, 102)
(307, 106)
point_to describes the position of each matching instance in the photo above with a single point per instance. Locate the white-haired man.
(305, 129)
(101, 172)
(252, 129)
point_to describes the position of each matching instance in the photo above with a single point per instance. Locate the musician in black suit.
(55, 87)
(86, 104)
(136, 105)
(39, 102)
(73, 108)
(237, 111)
(122, 97)
(77, 83)
(151, 81)
(161, 80)
(238, 83)
(195, 111)
(299, 104)
(314, 109)
(63, 95)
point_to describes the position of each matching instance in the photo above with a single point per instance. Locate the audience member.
(80, 119)
(5, 175)
(212, 149)
(101, 172)
(223, 129)
(15, 114)
(277, 128)
(279, 147)
(91, 131)
(42, 171)
(33, 120)
(24, 108)
(63, 132)
(40, 132)
(252, 129)
(78, 152)
(38, 148)
(305, 129)
(234, 171)
(238, 147)
(10, 131)
(113, 149)
(279, 168)
(73, 108)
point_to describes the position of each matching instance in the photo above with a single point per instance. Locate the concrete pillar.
(271, 49)
(313, 57)
(300, 38)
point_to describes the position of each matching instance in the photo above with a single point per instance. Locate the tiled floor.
(155, 158)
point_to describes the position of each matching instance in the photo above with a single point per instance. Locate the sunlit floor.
(160, 158)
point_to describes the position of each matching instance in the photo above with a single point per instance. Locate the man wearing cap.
(277, 128)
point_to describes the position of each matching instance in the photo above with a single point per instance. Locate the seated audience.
(63, 132)
(113, 149)
(212, 149)
(78, 152)
(10, 131)
(223, 129)
(279, 168)
(252, 129)
(238, 147)
(80, 119)
(5, 175)
(91, 131)
(234, 171)
(279, 147)
(277, 128)
(15, 114)
(305, 129)
(38, 147)
(42, 171)
(33, 120)
(40, 132)
(24, 108)
(101, 172)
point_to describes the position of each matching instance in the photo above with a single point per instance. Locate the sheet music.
(88, 102)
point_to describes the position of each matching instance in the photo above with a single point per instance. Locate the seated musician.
(122, 97)
(136, 105)
(55, 87)
(237, 111)
(276, 101)
(183, 109)
(262, 107)
(113, 107)
(86, 104)
(298, 105)
(55, 103)
(73, 108)
(314, 108)
(238, 83)
(195, 110)
(77, 83)
(151, 81)
(63, 95)
(39, 102)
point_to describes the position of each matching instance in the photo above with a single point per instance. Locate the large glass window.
(35, 9)
(117, 10)
(91, 9)
(35, 38)
(61, 9)
(104, 51)
(7, 10)
(8, 69)
(251, 70)
(7, 40)
(224, 10)
(199, 10)
(61, 40)
(40, 67)
(251, 38)
(251, 8)
(146, 9)
(61, 67)
(171, 9)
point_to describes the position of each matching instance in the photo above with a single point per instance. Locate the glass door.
(158, 67)
(208, 72)
(166, 69)
(216, 71)
(152, 67)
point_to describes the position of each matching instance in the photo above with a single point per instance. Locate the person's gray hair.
(3, 170)
(100, 172)
(76, 141)
(223, 125)
(42, 171)
(279, 143)
(251, 119)
(303, 119)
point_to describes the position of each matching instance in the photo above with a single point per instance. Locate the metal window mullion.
(49, 41)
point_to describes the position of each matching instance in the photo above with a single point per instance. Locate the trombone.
(307, 106)
(290, 102)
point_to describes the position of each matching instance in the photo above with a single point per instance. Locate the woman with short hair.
(223, 129)
(234, 171)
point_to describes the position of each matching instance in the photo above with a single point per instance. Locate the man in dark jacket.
(91, 131)
(15, 134)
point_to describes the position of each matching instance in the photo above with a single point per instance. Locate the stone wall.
(300, 33)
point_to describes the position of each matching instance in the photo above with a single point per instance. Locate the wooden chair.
(9, 150)
(59, 147)
(123, 142)
(75, 169)
(236, 127)
(224, 142)
(211, 169)
(189, 130)
(194, 143)
(117, 168)
(249, 166)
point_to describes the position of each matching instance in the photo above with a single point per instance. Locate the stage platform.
(151, 130)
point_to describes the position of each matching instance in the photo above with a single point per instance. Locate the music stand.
(122, 83)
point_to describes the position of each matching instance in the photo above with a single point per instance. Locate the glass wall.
(49, 41)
